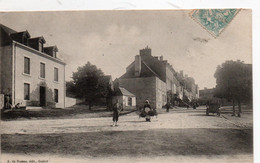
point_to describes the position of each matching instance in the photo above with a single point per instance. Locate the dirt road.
(179, 135)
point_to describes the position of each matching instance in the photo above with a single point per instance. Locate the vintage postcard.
(126, 86)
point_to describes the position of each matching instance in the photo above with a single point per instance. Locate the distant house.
(31, 74)
(126, 98)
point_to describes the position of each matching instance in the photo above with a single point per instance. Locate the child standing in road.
(116, 110)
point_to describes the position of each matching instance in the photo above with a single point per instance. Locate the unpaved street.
(181, 119)
(181, 134)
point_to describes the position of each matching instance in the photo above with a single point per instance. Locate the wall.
(34, 78)
(149, 88)
(70, 101)
(156, 65)
(125, 99)
(161, 97)
(6, 70)
(142, 88)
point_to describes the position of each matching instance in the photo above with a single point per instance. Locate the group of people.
(118, 108)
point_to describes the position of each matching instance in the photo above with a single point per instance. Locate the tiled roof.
(150, 69)
(125, 92)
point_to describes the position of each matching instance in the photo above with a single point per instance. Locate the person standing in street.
(147, 108)
(116, 111)
(168, 105)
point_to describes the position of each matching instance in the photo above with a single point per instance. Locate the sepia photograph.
(126, 86)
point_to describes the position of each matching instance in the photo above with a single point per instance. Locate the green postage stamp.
(214, 20)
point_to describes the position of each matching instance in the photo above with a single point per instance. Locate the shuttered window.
(42, 70)
(26, 65)
(56, 74)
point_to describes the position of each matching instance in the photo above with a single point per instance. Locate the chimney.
(137, 65)
(186, 75)
(161, 58)
(146, 51)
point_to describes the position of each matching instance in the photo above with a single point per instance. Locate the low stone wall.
(69, 101)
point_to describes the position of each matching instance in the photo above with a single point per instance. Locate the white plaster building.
(31, 74)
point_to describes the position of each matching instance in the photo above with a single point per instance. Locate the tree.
(106, 88)
(85, 83)
(234, 82)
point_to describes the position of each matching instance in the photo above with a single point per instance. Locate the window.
(129, 101)
(40, 47)
(26, 65)
(56, 74)
(26, 91)
(42, 70)
(56, 95)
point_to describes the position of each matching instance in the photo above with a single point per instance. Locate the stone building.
(31, 74)
(153, 78)
(150, 78)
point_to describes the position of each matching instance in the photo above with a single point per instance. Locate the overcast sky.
(111, 39)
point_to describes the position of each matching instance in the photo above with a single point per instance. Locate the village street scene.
(132, 86)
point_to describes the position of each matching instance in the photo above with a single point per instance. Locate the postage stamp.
(214, 20)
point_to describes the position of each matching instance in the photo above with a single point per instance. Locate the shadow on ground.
(159, 142)
(215, 115)
(81, 111)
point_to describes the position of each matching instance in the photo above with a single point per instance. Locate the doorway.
(42, 96)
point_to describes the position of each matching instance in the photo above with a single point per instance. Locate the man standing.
(116, 111)
(168, 105)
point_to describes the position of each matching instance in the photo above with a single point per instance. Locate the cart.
(213, 108)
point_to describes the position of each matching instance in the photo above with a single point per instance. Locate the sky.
(111, 39)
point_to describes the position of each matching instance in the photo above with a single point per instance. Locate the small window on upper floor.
(42, 70)
(40, 47)
(26, 65)
(56, 74)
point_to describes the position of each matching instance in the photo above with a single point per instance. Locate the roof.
(7, 30)
(21, 34)
(52, 48)
(146, 71)
(150, 69)
(124, 92)
(41, 38)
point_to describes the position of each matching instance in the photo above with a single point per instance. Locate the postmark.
(214, 20)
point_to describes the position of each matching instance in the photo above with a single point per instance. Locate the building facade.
(31, 74)
(153, 78)
(125, 98)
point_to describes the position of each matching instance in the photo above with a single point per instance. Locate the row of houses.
(33, 75)
(153, 78)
